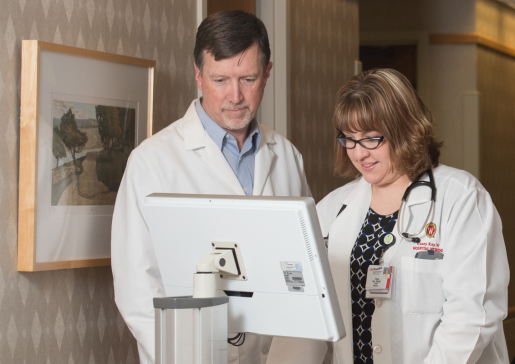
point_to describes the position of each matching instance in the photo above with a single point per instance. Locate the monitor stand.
(191, 330)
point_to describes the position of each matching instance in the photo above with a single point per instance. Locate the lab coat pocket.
(420, 285)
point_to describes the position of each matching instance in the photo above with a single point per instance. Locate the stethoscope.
(417, 183)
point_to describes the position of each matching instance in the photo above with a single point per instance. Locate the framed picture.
(82, 113)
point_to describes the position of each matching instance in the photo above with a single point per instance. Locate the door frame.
(418, 38)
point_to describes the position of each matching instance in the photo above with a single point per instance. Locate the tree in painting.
(108, 127)
(58, 148)
(72, 137)
(128, 124)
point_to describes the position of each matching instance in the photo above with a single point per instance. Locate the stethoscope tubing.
(431, 184)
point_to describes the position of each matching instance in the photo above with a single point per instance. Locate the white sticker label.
(291, 266)
(293, 276)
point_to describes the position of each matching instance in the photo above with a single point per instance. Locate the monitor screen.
(288, 289)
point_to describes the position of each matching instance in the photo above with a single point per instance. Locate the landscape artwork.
(90, 147)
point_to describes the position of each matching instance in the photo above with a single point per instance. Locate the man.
(218, 147)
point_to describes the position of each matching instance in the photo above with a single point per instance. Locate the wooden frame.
(48, 72)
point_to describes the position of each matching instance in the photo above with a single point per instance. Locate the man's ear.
(198, 77)
(268, 69)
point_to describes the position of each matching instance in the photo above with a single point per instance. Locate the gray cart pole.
(191, 330)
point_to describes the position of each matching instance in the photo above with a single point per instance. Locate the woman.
(448, 292)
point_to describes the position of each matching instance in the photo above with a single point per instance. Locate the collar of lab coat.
(196, 137)
(418, 195)
(359, 202)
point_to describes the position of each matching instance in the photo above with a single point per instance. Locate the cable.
(238, 340)
(234, 338)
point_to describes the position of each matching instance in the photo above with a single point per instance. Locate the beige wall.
(324, 45)
(453, 77)
(450, 70)
(496, 20)
(496, 77)
(432, 15)
(69, 316)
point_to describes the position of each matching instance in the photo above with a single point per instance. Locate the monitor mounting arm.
(216, 261)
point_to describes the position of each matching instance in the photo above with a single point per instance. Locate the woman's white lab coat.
(446, 311)
(182, 158)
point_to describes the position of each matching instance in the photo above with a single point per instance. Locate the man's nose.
(235, 94)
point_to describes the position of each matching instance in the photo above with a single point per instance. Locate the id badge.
(379, 281)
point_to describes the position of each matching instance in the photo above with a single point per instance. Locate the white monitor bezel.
(313, 314)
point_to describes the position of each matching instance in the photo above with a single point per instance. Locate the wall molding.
(473, 38)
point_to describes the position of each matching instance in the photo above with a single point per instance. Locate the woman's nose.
(360, 153)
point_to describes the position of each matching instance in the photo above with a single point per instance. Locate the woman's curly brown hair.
(384, 101)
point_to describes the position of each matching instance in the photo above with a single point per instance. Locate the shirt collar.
(217, 133)
(254, 136)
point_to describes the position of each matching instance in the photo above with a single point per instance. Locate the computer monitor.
(288, 289)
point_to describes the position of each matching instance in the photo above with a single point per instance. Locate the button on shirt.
(242, 163)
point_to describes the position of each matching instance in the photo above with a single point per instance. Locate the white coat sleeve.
(136, 275)
(475, 278)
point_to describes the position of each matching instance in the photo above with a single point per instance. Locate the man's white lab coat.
(446, 311)
(182, 158)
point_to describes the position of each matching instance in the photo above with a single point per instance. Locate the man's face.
(232, 88)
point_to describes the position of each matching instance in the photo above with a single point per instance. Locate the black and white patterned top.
(367, 251)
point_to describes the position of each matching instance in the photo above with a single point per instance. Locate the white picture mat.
(80, 232)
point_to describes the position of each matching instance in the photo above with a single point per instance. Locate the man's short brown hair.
(228, 33)
(384, 101)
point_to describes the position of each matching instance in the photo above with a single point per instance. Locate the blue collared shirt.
(242, 163)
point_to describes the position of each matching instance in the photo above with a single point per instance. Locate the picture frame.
(81, 114)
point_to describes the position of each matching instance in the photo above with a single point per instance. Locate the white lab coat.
(447, 311)
(182, 158)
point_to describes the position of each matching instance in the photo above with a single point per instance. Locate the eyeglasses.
(367, 143)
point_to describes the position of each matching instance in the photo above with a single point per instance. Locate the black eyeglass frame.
(341, 139)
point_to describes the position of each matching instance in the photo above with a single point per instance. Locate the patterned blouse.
(367, 251)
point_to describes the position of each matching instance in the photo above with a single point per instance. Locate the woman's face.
(373, 164)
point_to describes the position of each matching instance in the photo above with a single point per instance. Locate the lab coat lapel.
(342, 236)
(420, 194)
(417, 208)
(264, 159)
(215, 160)
(196, 137)
(351, 219)
(415, 213)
